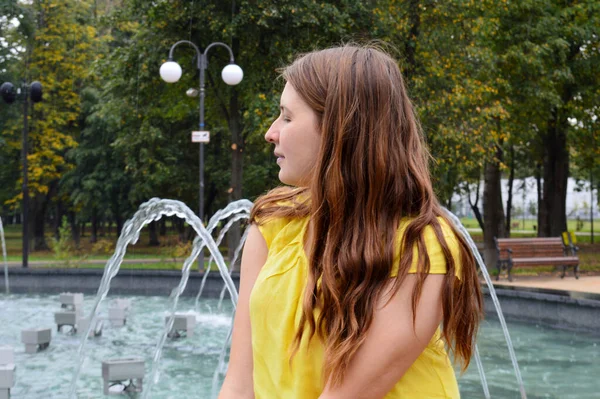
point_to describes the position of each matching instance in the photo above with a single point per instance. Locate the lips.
(279, 158)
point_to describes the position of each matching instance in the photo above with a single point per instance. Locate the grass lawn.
(171, 254)
(169, 248)
(526, 228)
(131, 266)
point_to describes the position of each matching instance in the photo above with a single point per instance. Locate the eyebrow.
(283, 108)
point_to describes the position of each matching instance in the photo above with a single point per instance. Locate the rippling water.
(554, 364)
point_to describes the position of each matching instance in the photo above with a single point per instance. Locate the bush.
(103, 247)
(62, 248)
(178, 251)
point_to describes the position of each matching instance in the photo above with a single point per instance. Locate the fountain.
(488, 281)
(6, 286)
(222, 233)
(128, 371)
(150, 211)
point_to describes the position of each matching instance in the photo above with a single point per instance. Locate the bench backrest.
(532, 247)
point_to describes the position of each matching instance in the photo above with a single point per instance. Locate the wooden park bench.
(542, 251)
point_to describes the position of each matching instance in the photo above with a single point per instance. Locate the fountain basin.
(554, 363)
(127, 282)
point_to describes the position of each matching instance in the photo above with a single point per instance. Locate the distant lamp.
(170, 71)
(36, 92)
(232, 74)
(8, 92)
(191, 92)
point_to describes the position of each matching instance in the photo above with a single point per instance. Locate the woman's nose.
(272, 135)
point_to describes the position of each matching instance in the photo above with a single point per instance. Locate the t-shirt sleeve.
(270, 228)
(437, 260)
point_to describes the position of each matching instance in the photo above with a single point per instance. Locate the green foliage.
(103, 247)
(61, 247)
(111, 134)
(179, 251)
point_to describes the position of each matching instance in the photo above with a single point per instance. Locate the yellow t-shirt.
(276, 308)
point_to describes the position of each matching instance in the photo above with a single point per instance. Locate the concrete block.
(182, 322)
(124, 303)
(84, 322)
(36, 339)
(117, 316)
(71, 300)
(7, 376)
(7, 355)
(121, 370)
(66, 318)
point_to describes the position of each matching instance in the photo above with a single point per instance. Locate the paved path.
(569, 283)
(577, 233)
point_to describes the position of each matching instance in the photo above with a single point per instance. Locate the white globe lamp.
(232, 74)
(170, 72)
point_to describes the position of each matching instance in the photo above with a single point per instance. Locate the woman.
(346, 278)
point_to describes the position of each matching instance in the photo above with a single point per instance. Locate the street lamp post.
(9, 94)
(232, 74)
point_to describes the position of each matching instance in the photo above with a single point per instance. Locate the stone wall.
(126, 282)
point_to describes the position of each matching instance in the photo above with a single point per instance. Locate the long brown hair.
(372, 171)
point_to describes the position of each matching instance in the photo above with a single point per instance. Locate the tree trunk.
(179, 224)
(237, 147)
(162, 227)
(74, 228)
(511, 179)
(58, 219)
(553, 214)
(153, 236)
(37, 219)
(94, 220)
(410, 47)
(475, 205)
(492, 209)
(119, 222)
(116, 210)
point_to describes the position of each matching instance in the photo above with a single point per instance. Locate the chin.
(287, 180)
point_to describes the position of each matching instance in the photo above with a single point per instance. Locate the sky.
(578, 202)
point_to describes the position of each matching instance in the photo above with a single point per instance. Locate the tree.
(548, 52)
(16, 27)
(60, 49)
